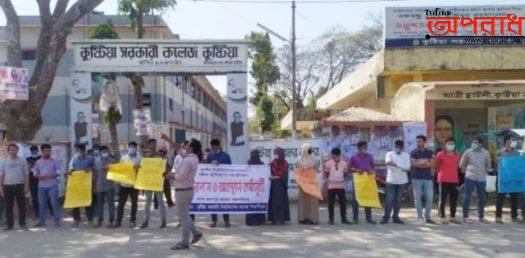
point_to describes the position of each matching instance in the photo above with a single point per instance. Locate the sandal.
(180, 246)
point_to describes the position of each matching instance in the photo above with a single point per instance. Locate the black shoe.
(227, 224)
(331, 222)
(384, 221)
(398, 221)
(163, 224)
(304, 222)
(144, 225)
(180, 246)
(213, 225)
(196, 238)
(40, 225)
(431, 222)
(346, 222)
(312, 223)
(117, 225)
(371, 222)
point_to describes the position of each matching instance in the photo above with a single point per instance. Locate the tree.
(23, 119)
(265, 114)
(112, 117)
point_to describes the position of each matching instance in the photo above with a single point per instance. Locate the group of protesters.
(38, 174)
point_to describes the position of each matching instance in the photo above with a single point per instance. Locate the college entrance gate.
(163, 57)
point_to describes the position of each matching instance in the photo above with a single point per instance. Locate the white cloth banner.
(231, 189)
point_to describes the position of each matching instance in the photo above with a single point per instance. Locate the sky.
(221, 20)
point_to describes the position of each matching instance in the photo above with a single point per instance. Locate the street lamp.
(294, 62)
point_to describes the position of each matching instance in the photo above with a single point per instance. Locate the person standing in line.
(362, 162)
(33, 181)
(335, 171)
(508, 150)
(104, 188)
(476, 163)
(126, 191)
(422, 160)
(278, 205)
(398, 165)
(259, 218)
(217, 157)
(14, 184)
(84, 163)
(184, 178)
(447, 164)
(153, 153)
(47, 171)
(308, 205)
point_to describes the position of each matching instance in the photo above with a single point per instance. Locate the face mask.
(105, 154)
(398, 150)
(474, 146)
(513, 144)
(132, 151)
(96, 152)
(451, 147)
(183, 152)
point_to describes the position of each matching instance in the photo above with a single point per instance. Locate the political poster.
(231, 189)
(142, 121)
(14, 83)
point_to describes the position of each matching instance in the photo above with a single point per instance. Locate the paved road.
(292, 240)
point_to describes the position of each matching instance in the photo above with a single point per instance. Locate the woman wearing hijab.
(260, 218)
(308, 204)
(278, 206)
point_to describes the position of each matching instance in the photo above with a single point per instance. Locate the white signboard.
(80, 112)
(237, 117)
(231, 189)
(292, 151)
(14, 83)
(454, 25)
(173, 56)
(478, 93)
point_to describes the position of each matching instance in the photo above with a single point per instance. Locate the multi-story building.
(182, 106)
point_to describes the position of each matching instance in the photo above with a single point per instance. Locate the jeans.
(355, 210)
(448, 190)
(147, 208)
(2, 206)
(46, 195)
(226, 218)
(33, 188)
(12, 192)
(107, 197)
(394, 194)
(89, 213)
(341, 195)
(184, 199)
(480, 191)
(426, 187)
(123, 194)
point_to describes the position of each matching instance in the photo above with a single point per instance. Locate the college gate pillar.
(80, 109)
(237, 118)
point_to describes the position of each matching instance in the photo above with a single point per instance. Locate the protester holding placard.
(217, 157)
(184, 178)
(127, 190)
(509, 150)
(260, 218)
(152, 152)
(398, 165)
(105, 189)
(362, 162)
(335, 171)
(447, 163)
(47, 171)
(278, 206)
(308, 204)
(422, 160)
(476, 163)
(14, 184)
(84, 163)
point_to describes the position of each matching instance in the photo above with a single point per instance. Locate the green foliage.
(105, 31)
(135, 9)
(264, 64)
(113, 116)
(265, 113)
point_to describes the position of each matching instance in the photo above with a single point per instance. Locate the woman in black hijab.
(260, 218)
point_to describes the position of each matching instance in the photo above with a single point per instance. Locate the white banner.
(173, 56)
(231, 189)
(477, 93)
(292, 151)
(14, 83)
(81, 108)
(142, 121)
(237, 117)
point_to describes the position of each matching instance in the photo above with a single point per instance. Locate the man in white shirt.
(398, 164)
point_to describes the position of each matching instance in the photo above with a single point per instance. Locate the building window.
(28, 55)
(170, 102)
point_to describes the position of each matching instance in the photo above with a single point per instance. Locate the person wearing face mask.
(104, 188)
(218, 156)
(362, 162)
(308, 204)
(86, 164)
(476, 163)
(398, 164)
(128, 190)
(47, 171)
(447, 163)
(335, 171)
(152, 152)
(508, 150)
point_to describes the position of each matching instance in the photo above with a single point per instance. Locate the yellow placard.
(78, 190)
(122, 173)
(150, 174)
(307, 180)
(366, 190)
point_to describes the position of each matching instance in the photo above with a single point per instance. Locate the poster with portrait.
(81, 109)
(462, 124)
(14, 83)
(237, 117)
(411, 131)
(142, 121)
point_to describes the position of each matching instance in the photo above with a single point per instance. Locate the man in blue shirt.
(82, 162)
(217, 156)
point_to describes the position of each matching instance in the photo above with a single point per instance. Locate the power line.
(299, 1)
